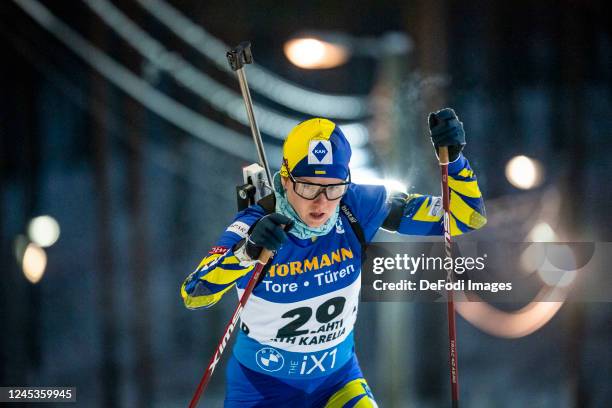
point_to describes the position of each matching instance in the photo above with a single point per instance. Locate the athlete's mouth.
(316, 215)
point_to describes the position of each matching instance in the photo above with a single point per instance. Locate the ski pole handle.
(443, 154)
(238, 57)
(265, 256)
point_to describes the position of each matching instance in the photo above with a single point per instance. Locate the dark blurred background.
(121, 124)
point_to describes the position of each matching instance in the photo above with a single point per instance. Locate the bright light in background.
(391, 185)
(536, 258)
(561, 279)
(553, 275)
(508, 324)
(44, 231)
(532, 258)
(310, 53)
(34, 262)
(366, 176)
(542, 232)
(523, 172)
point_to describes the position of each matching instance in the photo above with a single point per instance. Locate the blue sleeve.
(423, 214)
(220, 269)
(369, 204)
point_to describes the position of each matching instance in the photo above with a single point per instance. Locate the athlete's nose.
(320, 198)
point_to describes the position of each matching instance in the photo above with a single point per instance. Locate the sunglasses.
(311, 191)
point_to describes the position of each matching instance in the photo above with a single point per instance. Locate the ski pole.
(238, 58)
(216, 357)
(452, 330)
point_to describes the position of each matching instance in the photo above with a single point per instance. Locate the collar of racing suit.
(300, 229)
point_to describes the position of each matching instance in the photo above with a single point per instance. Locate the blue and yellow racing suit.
(297, 326)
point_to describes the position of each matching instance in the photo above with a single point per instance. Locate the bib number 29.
(324, 314)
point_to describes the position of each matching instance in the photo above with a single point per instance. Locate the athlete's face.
(313, 212)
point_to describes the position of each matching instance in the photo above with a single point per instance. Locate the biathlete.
(295, 347)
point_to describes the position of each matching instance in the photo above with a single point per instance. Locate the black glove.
(269, 232)
(446, 130)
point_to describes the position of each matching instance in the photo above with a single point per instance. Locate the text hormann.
(314, 263)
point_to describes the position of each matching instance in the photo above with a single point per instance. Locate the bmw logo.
(269, 359)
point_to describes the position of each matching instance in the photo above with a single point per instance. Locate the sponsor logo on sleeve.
(239, 228)
(436, 206)
(218, 250)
